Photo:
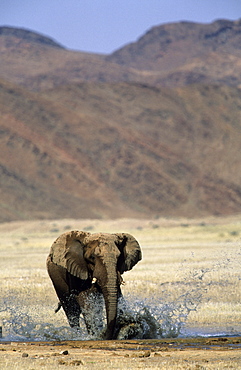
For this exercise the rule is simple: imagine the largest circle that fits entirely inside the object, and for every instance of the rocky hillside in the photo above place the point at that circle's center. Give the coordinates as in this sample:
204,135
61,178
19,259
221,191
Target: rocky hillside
91,136
39,63
185,53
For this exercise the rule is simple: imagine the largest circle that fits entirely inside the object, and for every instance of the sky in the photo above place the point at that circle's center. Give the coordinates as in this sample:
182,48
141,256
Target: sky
103,26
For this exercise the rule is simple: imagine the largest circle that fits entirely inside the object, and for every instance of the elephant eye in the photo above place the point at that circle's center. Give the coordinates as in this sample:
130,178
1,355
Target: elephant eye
90,258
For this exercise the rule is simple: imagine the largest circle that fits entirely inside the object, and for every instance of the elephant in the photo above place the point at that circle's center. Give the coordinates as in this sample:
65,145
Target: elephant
86,270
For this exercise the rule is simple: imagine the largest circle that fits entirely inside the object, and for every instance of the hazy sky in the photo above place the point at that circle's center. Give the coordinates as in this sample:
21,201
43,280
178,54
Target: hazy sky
102,26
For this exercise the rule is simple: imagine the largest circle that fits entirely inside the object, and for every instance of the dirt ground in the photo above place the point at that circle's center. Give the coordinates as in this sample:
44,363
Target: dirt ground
198,353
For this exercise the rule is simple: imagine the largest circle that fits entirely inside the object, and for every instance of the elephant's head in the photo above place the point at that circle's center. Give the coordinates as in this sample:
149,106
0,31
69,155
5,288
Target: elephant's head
100,258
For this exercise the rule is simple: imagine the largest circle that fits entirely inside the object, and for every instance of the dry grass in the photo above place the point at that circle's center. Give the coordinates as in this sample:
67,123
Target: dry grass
182,260
190,274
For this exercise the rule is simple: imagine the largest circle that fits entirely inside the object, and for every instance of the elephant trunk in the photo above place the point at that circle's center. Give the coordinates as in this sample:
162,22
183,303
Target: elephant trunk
110,292
111,297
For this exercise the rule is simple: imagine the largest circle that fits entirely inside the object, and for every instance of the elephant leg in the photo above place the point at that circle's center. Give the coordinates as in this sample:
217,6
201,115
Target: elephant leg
72,310
67,300
91,302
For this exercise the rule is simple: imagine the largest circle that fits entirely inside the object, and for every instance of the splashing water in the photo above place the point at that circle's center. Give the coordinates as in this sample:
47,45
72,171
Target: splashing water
137,318
140,319
22,326
161,316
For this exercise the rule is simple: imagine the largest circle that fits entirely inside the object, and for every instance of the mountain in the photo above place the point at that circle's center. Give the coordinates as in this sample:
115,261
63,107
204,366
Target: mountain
171,55
96,136
38,63
183,53
115,150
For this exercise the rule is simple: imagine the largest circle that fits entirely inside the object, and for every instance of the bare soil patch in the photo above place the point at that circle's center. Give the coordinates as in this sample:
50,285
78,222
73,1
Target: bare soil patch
188,353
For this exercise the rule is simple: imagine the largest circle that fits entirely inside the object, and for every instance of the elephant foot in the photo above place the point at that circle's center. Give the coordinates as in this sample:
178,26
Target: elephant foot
133,330
140,326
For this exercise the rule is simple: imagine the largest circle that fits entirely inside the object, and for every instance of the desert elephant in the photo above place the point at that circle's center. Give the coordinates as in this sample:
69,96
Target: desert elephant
86,267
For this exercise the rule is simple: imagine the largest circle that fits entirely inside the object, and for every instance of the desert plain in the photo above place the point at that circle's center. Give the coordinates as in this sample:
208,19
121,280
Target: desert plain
189,280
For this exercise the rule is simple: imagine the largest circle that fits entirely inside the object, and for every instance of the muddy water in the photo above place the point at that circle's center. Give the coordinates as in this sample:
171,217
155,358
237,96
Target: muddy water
146,344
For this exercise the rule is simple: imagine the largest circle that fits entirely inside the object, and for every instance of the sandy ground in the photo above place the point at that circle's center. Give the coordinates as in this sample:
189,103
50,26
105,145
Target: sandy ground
198,353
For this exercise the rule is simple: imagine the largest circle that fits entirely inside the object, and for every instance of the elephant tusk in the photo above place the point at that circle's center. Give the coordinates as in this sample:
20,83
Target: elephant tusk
94,280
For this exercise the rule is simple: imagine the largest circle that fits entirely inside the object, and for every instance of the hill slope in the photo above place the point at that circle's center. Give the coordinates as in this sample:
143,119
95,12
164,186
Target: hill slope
117,150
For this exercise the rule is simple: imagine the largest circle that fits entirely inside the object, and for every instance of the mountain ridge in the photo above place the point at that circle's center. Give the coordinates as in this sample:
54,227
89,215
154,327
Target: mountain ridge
172,55
27,35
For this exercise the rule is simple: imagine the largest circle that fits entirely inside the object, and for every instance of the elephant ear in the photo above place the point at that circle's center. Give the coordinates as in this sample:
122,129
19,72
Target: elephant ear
68,250
130,251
